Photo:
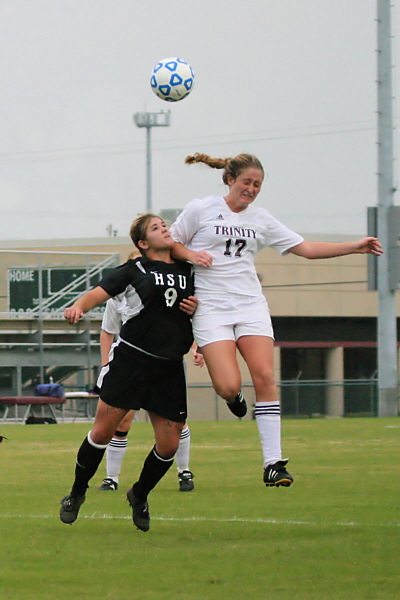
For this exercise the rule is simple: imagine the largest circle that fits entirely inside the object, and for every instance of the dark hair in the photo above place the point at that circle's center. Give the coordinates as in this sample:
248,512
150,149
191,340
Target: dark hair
232,166
139,228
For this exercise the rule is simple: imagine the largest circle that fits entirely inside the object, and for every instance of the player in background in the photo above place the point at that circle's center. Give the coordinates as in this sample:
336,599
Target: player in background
112,321
145,368
220,237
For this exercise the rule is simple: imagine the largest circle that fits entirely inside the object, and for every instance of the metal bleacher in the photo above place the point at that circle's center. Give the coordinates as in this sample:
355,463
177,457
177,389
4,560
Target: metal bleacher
36,343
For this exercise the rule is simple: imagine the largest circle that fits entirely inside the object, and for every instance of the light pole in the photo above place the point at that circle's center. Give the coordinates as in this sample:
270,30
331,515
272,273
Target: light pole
149,120
387,330
384,222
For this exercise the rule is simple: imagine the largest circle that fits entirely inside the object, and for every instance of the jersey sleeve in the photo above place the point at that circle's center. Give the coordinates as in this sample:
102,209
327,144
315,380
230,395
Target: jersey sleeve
117,280
112,318
191,279
278,236
187,223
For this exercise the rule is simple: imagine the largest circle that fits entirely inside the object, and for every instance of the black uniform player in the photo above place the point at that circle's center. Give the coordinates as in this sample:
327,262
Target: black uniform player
156,329
145,368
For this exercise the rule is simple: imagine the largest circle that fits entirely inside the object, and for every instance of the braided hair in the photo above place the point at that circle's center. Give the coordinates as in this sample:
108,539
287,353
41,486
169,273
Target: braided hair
232,166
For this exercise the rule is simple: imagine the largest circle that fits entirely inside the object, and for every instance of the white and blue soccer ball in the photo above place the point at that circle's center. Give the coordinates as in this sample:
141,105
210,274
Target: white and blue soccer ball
172,79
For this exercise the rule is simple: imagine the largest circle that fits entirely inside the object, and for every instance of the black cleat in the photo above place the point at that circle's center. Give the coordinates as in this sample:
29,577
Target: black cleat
238,406
140,511
70,506
276,474
186,481
108,485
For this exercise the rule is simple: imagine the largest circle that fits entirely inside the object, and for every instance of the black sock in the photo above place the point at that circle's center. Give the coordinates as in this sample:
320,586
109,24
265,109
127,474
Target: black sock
87,463
154,468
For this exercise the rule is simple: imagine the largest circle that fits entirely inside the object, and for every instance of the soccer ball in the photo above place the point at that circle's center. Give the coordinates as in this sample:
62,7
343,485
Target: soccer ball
172,79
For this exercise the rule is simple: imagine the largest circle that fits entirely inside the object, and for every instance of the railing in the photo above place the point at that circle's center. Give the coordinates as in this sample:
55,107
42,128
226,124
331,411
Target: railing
308,398
43,283
73,287
40,285
300,399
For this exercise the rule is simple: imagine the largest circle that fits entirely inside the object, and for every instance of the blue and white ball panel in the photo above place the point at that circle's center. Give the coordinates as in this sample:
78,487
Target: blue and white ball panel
172,79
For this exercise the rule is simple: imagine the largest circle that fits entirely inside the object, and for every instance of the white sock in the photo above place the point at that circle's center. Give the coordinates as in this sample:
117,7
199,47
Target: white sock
115,455
268,417
183,452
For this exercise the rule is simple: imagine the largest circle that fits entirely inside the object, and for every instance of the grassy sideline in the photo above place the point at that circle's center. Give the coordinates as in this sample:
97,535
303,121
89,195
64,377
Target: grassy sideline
334,534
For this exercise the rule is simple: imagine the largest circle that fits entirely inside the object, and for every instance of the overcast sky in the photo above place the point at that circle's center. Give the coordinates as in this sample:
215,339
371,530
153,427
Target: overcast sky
290,81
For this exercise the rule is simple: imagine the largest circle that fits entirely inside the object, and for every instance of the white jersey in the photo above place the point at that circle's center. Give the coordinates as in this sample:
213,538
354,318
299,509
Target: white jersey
232,239
114,315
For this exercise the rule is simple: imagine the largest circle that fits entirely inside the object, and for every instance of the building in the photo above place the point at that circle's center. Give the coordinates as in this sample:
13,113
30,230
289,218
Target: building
325,322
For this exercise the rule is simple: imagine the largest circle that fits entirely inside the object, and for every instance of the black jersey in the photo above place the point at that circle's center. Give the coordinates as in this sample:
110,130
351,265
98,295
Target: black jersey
153,290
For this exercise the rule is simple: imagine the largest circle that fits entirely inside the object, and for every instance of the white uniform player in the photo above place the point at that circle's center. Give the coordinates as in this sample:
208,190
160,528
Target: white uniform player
115,314
220,236
231,300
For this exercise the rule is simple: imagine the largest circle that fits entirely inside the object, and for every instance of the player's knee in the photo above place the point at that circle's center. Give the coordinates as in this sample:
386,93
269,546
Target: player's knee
100,436
264,379
126,421
167,450
226,391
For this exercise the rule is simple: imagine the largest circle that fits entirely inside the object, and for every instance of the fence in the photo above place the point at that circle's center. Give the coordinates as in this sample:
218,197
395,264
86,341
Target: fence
309,398
299,398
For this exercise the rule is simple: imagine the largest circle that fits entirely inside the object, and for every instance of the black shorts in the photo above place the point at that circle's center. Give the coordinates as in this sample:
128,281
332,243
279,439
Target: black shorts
134,380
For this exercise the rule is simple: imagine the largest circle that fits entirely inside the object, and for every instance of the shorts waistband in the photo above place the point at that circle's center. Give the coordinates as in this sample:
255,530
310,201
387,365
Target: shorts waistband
141,350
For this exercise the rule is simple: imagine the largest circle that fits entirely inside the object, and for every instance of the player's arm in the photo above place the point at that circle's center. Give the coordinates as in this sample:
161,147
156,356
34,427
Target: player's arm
93,298
201,258
312,250
106,341
183,230
198,358
189,305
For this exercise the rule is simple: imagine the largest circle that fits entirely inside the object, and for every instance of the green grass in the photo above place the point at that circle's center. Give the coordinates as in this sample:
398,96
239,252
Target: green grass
333,535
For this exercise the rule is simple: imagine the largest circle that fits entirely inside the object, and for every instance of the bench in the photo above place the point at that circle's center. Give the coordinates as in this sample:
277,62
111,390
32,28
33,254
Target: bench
84,402
29,402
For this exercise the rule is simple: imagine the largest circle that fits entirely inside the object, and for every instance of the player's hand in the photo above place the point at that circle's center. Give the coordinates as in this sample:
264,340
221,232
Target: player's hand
198,358
202,259
73,314
369,245
189,305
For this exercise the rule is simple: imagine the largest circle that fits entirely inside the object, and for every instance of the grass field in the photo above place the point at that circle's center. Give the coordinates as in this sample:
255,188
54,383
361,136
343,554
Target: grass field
333,535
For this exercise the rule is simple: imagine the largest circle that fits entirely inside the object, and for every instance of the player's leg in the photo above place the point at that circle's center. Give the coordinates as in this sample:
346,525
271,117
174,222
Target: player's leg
89,457
158,462
225,375
115,453
182,456
258,352
167,434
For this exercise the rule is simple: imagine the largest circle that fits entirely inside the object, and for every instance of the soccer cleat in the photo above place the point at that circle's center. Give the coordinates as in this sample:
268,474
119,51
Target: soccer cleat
140,511
70,506
185,481
108,485
238,406
276,474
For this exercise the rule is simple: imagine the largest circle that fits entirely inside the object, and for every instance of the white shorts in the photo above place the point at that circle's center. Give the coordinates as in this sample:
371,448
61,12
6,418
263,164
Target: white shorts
229,318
